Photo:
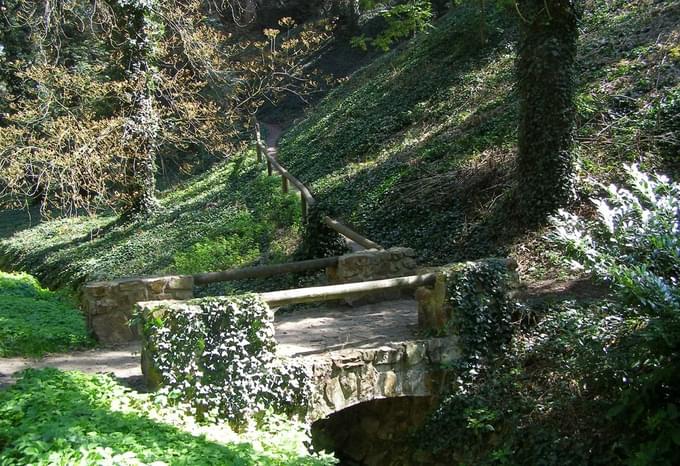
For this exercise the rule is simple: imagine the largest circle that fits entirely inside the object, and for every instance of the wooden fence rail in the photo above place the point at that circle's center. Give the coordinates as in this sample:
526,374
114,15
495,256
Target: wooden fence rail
264,270
306,198
345,290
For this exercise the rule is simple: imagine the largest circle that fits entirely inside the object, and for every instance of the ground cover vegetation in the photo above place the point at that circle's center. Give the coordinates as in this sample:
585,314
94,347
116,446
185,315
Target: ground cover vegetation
102,422
35,320
582,382
418,149
230,216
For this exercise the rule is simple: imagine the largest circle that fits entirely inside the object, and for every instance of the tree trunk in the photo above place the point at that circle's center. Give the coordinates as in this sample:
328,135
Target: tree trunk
143,126
545,76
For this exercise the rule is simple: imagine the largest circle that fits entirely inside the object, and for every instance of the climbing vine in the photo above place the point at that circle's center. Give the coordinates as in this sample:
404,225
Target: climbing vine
319,240
217,355
478,295
546,85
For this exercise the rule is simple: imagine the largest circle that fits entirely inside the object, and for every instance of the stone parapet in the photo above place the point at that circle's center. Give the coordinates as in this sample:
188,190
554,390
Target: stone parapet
109,306
373,264
434,302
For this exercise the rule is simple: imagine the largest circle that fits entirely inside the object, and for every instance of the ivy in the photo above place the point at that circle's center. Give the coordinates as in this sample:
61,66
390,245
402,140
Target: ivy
217,355
478,294
318,239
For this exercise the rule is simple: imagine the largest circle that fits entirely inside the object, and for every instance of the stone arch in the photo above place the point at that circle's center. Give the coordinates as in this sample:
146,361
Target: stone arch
375,432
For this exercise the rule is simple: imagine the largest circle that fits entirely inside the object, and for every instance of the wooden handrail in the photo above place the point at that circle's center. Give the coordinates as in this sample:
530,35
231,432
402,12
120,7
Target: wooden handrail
306,198
345,290
264,270
351,234
304,191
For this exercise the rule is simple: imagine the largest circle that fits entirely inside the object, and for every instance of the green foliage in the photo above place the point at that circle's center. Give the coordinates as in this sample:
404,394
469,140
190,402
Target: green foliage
403,20
218,356
35,321
546,80
51,417
233,211
240,246
478,295
402,133
416,149
543,400
634,244
318,239
590,382
22,285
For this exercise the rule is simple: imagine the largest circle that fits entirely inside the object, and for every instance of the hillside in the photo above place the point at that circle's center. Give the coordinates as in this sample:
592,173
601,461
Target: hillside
232,215
417,148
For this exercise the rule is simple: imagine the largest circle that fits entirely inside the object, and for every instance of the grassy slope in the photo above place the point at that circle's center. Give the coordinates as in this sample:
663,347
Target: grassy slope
200,224
417,148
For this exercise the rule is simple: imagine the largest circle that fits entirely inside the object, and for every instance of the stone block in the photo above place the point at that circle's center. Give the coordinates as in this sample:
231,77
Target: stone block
182,295
181,282
387,355
373,265
130,284
389,384
349,383
415,352
333,394
433,311
113,327
156,285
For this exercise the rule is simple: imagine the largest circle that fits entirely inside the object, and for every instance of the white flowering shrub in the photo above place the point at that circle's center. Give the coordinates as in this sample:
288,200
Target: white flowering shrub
633,243
217,355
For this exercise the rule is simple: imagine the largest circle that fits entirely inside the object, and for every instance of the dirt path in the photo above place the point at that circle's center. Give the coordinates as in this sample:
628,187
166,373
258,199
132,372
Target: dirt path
122,361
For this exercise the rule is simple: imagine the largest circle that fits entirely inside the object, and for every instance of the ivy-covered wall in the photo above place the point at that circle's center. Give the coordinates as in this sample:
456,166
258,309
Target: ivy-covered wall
217,356
471,300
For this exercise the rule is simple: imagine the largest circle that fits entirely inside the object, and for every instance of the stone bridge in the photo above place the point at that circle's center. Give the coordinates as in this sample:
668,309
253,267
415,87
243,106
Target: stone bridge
364,353
355,353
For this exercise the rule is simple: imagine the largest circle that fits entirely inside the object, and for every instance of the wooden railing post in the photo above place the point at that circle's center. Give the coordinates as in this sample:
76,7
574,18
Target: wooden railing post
303,207
284,183
269,167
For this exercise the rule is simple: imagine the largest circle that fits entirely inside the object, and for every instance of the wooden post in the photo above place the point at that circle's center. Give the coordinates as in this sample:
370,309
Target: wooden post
258,148
284,183
303,207
269,167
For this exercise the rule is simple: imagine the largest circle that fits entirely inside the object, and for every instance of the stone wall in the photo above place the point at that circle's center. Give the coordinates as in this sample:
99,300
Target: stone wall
348,377
373,264
108,306
434,303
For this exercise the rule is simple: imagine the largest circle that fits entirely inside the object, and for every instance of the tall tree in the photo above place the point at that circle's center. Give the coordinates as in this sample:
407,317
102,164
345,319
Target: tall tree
106,86
142,128
545,79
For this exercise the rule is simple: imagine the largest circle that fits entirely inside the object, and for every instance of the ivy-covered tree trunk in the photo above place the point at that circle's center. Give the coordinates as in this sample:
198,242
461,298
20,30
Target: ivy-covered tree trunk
545,76
143,126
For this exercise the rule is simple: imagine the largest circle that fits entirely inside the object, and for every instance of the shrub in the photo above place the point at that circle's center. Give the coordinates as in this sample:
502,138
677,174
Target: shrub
22,285
634,244
218,355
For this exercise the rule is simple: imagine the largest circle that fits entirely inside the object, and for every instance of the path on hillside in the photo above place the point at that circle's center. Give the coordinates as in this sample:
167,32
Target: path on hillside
273,134
123,361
